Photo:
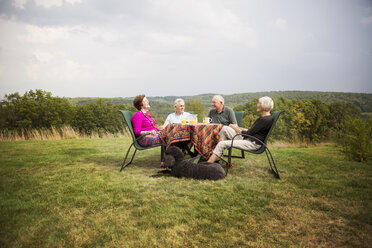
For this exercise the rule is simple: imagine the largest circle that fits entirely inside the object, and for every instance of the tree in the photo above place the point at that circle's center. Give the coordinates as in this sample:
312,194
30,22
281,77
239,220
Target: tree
356,139
100,116
35,109
197,107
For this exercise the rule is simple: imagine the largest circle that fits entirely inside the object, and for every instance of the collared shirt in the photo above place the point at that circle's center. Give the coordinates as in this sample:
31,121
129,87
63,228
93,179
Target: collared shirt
175,118
226,117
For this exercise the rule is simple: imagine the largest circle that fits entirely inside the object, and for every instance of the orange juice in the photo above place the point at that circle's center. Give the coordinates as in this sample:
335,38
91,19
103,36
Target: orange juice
193,122
183,121
205,121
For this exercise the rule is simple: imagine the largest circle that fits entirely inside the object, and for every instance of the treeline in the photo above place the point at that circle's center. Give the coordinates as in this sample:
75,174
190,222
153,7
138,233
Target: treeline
313,121
309,121
361,100
39,110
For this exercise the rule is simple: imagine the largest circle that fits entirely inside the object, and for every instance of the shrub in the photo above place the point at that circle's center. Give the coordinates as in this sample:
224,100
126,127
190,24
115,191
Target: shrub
355,138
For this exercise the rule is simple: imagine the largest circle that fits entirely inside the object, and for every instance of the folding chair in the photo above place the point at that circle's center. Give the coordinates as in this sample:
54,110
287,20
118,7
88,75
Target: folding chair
262,149
239,117
127,118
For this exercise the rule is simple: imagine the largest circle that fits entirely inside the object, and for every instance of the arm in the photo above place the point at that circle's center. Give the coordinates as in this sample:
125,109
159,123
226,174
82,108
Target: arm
237,128
255,128
137,123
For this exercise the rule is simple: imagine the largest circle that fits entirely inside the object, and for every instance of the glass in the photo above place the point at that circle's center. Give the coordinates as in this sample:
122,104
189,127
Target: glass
207,120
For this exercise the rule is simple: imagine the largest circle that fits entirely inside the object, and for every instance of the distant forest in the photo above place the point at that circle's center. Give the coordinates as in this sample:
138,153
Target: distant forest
361,100
309,116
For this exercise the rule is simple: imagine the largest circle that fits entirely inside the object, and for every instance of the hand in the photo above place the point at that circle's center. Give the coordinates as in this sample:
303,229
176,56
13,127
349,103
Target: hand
152,132
235,127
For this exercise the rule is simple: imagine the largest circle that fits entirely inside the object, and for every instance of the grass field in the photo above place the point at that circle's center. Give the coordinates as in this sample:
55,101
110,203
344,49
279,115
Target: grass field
70,193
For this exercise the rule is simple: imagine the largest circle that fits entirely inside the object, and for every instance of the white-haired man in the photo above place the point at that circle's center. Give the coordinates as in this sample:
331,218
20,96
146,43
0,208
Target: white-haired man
179,114
259,130
220,113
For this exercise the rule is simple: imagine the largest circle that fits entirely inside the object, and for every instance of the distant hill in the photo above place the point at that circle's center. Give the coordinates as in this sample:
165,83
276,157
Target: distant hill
361,100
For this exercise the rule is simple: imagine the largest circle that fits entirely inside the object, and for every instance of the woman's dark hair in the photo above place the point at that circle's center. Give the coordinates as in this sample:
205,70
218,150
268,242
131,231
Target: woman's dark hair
137,101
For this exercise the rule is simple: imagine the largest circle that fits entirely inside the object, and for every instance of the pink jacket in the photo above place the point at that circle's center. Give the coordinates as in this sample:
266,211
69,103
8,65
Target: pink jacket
141,123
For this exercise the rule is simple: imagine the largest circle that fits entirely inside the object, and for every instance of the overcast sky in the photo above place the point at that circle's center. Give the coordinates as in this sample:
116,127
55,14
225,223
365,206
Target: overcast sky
120,48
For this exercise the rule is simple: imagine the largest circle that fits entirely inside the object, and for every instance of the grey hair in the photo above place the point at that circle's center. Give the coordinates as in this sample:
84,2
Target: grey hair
267,103
219,98
178,100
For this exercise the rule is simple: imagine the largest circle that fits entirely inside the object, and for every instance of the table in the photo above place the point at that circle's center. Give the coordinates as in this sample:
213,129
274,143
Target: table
204,136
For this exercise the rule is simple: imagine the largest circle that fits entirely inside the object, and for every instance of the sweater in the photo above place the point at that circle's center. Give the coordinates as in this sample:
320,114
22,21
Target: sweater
260,128
143,122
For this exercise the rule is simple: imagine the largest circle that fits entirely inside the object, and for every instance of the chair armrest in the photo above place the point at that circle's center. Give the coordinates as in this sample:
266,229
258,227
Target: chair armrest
145,135
141,136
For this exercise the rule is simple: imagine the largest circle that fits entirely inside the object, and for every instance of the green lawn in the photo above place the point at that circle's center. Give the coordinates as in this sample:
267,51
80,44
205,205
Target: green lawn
70,193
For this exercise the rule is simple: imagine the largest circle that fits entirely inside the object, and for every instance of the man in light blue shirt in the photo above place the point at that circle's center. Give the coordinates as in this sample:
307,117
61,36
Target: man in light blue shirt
179,114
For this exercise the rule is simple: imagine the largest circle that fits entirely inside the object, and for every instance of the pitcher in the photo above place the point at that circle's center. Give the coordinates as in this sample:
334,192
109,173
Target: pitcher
194,119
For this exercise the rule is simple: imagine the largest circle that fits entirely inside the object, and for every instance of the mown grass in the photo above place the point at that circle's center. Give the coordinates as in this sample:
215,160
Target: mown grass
70,193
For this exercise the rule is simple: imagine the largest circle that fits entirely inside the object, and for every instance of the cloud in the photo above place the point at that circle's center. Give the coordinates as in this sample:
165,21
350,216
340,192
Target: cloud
280,24
56,67
73,1
98,34
49,3
45,35
19,4
51,35
204,21
166,41
126,47
1,71
43,57
366,20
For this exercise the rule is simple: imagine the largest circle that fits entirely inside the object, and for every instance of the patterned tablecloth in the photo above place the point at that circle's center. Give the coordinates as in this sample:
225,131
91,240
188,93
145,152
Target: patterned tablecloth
204,136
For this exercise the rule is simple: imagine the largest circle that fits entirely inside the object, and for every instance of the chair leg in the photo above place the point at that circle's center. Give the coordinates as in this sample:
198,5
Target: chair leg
243,155
228,161
272,165
126,164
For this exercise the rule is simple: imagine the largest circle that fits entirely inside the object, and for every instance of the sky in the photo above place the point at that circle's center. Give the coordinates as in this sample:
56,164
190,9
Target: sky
121,48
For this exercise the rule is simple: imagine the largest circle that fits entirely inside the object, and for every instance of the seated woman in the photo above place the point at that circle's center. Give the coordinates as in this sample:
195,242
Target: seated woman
144,124
259,130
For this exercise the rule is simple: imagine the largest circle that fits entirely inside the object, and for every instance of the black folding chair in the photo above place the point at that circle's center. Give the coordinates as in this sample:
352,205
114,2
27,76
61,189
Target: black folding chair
262,149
